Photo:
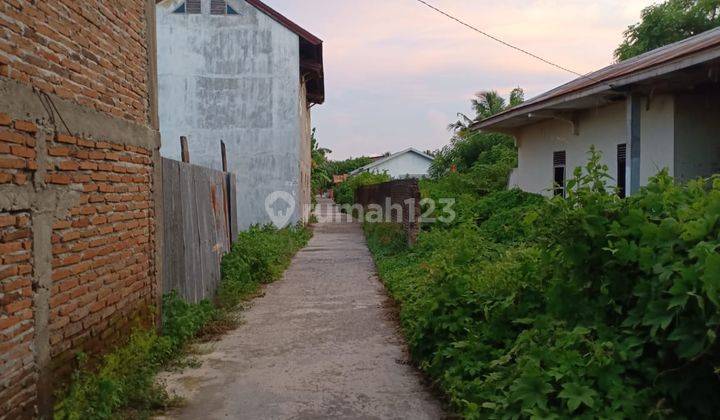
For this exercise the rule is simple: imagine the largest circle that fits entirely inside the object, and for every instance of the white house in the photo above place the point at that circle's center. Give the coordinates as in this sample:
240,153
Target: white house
658,110
410,163
240,72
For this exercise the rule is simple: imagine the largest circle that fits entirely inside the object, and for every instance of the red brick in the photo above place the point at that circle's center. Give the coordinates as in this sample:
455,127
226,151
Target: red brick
56,178
26,126
59,151
68,165
64,138
12,163
24,152
12,137
5,119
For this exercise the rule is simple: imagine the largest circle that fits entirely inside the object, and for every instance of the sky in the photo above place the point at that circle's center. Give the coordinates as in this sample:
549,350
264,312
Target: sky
397,73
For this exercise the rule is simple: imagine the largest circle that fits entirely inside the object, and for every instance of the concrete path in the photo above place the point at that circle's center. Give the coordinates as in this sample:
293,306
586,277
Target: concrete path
321,344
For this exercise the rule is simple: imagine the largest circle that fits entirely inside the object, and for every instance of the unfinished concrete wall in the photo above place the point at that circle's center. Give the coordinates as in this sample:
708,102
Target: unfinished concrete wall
78,188
233,78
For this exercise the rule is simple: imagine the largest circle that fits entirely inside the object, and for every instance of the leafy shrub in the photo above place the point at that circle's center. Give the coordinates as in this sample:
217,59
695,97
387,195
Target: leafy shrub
259,256
591,306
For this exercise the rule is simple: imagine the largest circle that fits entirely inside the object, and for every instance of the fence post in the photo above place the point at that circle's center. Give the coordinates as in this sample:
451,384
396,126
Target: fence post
224,156
184,151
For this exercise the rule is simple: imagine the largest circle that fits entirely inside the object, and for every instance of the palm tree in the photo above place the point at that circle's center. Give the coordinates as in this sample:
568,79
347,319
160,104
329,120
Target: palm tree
486,104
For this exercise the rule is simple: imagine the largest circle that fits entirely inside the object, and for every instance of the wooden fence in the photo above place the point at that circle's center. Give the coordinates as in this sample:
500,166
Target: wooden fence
200,224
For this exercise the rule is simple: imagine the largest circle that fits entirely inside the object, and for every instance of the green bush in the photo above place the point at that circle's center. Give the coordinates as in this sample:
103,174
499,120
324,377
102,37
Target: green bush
590,306
259,256
124,383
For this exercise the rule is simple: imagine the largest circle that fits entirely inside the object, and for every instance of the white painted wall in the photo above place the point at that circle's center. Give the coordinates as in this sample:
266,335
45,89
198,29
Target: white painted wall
406,165
233,78
604,127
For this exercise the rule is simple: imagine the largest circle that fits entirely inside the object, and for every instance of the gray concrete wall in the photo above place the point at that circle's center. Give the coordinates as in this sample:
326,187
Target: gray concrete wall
697,135
233,78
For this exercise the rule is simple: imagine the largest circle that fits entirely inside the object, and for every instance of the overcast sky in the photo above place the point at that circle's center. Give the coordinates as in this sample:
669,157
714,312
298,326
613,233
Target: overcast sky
396,72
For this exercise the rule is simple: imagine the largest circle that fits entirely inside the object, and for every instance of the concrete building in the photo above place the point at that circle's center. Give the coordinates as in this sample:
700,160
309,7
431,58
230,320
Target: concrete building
240,72
659,110
409,163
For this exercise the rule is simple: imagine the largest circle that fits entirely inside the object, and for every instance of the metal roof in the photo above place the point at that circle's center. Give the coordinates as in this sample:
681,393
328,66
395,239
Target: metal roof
686,53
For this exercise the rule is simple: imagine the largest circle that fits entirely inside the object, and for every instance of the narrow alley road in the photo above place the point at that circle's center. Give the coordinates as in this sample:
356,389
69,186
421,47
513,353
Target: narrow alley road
321,343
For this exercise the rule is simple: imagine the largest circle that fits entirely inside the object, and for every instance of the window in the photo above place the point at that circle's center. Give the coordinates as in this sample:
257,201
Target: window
621,169
559,162
221,7
189,7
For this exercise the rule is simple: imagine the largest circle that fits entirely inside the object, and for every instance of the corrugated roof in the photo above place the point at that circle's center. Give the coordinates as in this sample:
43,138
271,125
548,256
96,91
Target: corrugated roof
615,73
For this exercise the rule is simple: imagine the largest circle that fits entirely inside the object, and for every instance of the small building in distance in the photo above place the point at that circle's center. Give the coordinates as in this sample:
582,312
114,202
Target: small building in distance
409,163
658,110
240,72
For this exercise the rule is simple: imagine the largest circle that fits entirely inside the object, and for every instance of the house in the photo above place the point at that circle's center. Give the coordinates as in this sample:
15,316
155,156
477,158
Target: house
240,72
409,163
658,110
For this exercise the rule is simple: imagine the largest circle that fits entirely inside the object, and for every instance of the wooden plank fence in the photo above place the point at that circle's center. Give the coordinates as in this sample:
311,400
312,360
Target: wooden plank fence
200,224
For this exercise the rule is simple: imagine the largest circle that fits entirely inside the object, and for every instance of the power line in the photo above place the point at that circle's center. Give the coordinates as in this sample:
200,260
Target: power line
496,39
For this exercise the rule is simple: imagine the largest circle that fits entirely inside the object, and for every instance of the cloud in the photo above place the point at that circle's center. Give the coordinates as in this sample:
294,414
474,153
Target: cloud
397,72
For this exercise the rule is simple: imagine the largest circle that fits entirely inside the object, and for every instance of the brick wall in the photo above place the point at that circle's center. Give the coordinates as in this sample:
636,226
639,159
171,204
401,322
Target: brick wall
401,194
93,52
79,181
102,266
17,362
102,269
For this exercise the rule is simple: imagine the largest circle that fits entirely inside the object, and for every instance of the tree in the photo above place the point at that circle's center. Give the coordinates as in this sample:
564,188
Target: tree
467,147
486,104
668,22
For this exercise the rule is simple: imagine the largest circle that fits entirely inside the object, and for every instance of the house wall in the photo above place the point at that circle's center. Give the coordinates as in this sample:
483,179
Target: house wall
305,154
657,136
408,164
603,127
697,135
79,176
233,78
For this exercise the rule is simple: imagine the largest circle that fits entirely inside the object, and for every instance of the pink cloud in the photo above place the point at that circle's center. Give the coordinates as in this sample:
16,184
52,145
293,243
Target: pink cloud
399,57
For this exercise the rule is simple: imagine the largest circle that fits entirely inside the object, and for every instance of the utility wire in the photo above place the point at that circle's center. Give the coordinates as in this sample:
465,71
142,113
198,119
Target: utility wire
496,39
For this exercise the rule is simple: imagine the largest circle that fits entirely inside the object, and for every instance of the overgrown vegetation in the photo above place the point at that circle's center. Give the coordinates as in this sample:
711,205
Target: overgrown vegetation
590,306
324,169
124,385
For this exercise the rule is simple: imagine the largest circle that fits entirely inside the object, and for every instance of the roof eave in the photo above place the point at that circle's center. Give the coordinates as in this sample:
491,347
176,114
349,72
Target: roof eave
619,84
